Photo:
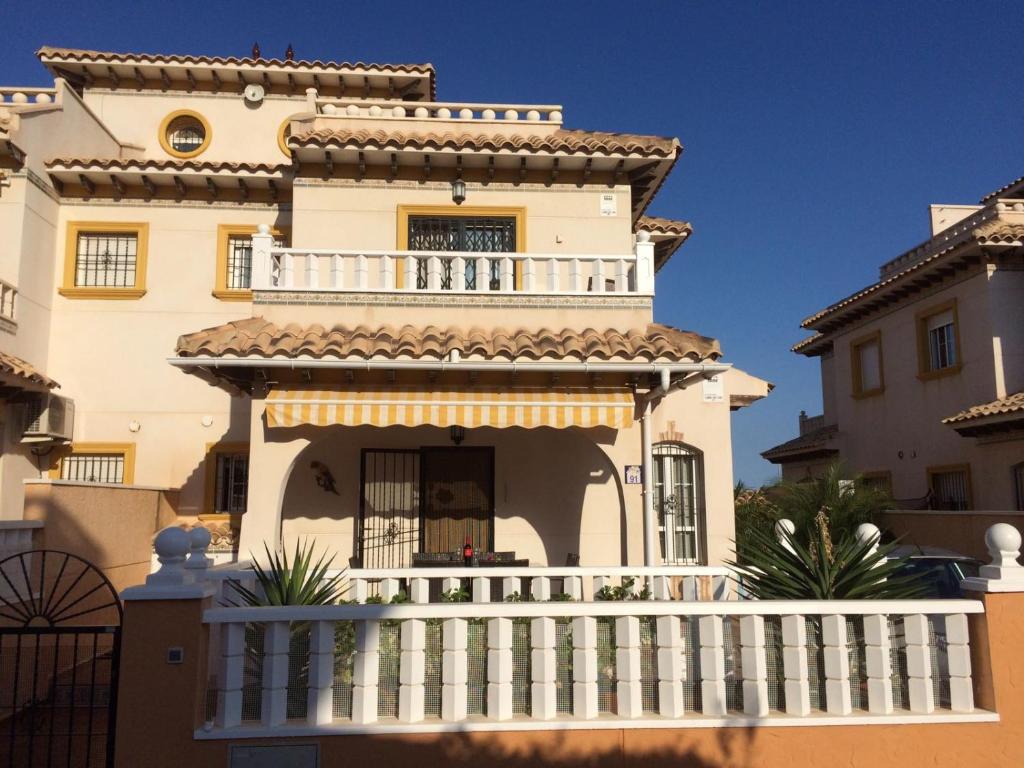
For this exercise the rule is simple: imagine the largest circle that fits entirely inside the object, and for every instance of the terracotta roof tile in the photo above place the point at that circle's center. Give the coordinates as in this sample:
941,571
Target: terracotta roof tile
108,57
812,442
260,338
1017,185
1010,404
576,142
132,164
15,366
1000,232
668,226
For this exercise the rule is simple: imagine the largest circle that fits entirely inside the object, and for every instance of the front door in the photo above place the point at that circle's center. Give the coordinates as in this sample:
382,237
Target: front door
676,498
458,499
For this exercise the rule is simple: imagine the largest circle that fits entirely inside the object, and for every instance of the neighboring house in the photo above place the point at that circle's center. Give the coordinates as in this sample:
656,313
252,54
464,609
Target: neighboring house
922,372
425,321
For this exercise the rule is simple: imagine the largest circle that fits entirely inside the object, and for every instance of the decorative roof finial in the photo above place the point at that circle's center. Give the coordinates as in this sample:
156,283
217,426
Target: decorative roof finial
289,54
256,50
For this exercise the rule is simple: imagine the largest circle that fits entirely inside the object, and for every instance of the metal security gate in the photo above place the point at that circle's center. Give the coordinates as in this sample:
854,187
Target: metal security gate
60,635
477,234
389,510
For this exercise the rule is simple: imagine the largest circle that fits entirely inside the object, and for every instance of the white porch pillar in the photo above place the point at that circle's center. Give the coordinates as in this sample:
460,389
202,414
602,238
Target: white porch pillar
269,466
647,457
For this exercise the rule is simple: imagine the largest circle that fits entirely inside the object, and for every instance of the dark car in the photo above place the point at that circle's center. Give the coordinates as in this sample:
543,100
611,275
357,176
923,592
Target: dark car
944,570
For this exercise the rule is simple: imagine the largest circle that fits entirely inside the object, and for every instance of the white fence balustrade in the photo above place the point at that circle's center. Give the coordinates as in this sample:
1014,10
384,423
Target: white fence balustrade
619,663
374,271
439,111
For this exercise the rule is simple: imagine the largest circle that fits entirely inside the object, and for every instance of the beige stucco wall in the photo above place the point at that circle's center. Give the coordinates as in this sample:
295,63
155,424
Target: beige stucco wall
901,430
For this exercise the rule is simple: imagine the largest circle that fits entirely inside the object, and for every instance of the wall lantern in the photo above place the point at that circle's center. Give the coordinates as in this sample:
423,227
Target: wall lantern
458,191
458,434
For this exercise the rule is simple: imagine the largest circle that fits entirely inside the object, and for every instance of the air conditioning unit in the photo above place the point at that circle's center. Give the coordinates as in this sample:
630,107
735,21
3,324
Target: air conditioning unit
48,417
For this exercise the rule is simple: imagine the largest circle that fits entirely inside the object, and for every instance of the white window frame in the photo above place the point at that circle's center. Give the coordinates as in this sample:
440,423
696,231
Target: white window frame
667,458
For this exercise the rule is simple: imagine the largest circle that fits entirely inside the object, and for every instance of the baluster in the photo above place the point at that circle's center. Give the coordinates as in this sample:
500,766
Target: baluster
362,272
337,271
544,669
433,273
287,278
275,672
481,589
627,666
919,663
320,701
573,587
540,588
419,590
958,656
837,665
409,282
458,274
600,582
621,276
529,275
366,672
483,274
712,665
507,275
661,589
878,660
755,666
510,585
450,584
553,275
389,588
584,667
312,271
232,664
597,283
671,667
575,276
387,273
359,590
499,669
794,664
454,670
411,671
689,588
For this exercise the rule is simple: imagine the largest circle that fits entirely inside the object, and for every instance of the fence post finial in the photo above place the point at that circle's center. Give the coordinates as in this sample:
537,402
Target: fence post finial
197,562
1004,573
172,545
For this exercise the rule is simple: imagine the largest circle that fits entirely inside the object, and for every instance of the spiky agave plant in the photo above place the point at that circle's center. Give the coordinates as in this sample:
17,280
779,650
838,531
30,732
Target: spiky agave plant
299,582
825,569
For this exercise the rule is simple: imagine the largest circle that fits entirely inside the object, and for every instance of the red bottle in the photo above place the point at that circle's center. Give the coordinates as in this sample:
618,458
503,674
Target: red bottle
467,552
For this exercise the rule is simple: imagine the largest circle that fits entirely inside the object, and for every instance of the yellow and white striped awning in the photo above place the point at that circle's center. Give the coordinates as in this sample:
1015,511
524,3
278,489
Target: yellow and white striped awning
447,407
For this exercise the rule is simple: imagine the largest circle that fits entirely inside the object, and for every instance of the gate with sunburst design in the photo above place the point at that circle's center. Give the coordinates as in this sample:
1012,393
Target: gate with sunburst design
60,637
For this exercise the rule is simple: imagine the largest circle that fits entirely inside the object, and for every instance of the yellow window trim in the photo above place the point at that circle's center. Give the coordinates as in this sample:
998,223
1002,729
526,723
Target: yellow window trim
224,233
405,211
74,229
939,469
282,140
210,487
105,449
165,126
924,371
855,366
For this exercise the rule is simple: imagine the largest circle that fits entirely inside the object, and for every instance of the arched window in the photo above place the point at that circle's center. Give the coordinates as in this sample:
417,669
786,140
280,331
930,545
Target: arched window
679,502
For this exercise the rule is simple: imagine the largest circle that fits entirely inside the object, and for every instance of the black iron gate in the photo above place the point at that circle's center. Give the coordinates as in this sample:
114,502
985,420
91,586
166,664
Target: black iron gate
389,511
60,635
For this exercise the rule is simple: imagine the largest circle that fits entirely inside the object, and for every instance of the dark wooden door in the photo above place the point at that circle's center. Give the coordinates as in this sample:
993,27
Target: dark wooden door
458,499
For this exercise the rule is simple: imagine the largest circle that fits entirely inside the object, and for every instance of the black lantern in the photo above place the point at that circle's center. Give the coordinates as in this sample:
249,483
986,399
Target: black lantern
458,434
459,191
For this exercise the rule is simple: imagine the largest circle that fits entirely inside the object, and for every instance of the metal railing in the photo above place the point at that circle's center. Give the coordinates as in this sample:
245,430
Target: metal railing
360,668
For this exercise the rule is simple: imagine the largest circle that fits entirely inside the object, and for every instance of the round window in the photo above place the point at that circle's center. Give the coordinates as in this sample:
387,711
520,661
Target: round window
184,134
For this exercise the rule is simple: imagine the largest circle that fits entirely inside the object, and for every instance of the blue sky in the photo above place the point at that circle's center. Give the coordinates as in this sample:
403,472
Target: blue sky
816,133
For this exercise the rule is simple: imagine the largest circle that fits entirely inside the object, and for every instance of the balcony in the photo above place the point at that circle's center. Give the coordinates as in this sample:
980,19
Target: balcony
297,270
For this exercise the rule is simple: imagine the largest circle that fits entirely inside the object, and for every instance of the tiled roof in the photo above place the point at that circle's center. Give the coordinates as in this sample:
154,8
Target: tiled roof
1010,404
17,367
574,142
107,57
132,164
261,338
812,442
1001,192
1004,233
668,226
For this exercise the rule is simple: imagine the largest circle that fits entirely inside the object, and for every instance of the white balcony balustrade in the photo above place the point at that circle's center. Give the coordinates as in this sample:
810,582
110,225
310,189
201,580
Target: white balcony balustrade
436,111
375,271
554,663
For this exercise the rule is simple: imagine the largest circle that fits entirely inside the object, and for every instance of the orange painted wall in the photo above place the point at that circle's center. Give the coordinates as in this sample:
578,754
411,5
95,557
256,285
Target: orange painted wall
155,722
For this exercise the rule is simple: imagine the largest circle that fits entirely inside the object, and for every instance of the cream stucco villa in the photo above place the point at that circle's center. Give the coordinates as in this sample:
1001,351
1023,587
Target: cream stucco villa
302,298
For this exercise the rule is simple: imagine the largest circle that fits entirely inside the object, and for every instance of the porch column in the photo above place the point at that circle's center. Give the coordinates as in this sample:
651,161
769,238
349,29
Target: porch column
647,458
270,465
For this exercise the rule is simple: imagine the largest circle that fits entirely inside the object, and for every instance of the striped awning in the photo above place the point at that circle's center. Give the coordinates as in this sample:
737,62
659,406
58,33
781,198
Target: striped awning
449,406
